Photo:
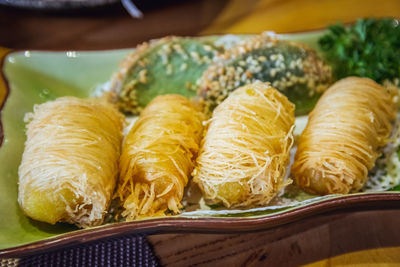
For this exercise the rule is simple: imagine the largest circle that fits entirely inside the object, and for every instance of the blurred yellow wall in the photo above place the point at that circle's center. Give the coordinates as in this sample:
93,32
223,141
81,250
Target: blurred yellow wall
254,16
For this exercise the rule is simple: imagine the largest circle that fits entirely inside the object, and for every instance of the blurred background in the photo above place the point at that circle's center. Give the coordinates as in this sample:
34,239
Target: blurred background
105,24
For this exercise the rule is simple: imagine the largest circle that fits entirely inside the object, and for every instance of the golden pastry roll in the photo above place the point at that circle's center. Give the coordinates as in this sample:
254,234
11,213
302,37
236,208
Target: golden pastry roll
70,163
245,151
341,142
158,156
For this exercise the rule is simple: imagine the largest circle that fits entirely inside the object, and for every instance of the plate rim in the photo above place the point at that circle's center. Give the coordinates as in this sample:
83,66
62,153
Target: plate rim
222,225
387,200
5,82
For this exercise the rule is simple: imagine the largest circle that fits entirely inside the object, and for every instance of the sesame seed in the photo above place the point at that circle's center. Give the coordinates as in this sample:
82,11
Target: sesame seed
132,94
142,76
164,57
195,55
207,48
169,69
206,59
183,66
178,48
262,58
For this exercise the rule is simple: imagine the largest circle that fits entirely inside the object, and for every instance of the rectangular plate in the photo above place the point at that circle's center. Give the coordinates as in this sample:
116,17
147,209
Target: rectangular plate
35,77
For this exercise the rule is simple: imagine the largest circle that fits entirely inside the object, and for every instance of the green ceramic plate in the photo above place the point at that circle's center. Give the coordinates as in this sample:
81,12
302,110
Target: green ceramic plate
35,77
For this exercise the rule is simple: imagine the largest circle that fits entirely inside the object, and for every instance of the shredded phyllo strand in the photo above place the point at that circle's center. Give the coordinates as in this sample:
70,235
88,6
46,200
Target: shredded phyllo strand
245,151
345,132
70,163
157,157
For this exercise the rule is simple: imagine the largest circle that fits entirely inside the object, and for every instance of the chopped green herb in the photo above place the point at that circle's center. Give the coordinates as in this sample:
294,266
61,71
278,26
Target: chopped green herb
369,48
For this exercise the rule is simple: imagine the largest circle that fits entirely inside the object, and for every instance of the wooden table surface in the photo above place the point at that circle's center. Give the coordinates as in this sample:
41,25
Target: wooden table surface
341,238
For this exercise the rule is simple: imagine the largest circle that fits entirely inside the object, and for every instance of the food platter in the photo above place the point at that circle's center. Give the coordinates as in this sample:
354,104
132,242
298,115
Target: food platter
37,76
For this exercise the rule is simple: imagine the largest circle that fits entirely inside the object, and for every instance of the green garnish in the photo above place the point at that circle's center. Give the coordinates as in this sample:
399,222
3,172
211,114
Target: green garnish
369,48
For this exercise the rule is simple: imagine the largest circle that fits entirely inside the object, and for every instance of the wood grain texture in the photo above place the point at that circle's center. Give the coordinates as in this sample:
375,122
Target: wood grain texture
310,240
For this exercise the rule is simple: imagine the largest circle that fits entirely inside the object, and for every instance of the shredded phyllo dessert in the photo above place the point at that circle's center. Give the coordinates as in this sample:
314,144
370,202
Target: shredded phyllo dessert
246,146
137,149
292,68
171,65
343,137
158,156
69,166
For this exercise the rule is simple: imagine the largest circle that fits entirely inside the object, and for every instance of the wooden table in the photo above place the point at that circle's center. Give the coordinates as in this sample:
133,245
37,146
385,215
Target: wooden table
361,237
341,238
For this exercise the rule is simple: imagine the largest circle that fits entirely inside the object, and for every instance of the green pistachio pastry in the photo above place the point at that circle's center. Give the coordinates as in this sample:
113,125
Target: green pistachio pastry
292,68
171,65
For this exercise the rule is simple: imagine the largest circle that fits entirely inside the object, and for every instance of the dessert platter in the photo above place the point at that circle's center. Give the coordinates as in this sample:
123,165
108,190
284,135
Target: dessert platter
213,134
